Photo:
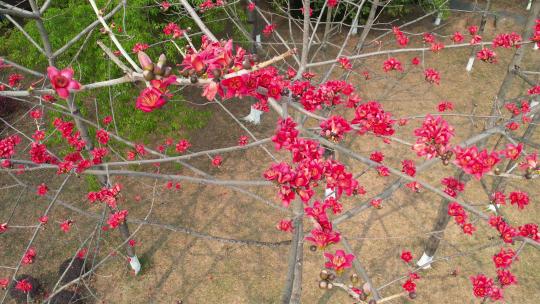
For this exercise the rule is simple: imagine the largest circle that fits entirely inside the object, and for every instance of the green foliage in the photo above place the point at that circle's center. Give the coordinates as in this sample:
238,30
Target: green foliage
92,183
143,23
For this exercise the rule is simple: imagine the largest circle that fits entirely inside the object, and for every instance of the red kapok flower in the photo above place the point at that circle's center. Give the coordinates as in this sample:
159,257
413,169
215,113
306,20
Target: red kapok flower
285,225
42,189
406,256
216,161
66,225
243,140
409,286
432,76
519,198
392,64
338,261
506,278
504,258
4,282
24,286
29,256
62,81
481,285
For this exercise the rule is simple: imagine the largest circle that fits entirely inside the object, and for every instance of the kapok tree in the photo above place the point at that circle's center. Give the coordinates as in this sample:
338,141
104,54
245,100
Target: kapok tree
320,116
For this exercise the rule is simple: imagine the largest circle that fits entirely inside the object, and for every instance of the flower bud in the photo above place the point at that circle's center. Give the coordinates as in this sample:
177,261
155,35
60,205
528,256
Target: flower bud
323,284
167,71
193,79
324,274
145,61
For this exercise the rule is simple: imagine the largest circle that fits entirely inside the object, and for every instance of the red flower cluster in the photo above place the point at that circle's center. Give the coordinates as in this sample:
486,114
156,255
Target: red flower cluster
457,37
106,195
285,225
506,278
209,4
269,29
530,231
338,261
42,189
62,81
155,96
172,29
23,285
138,47
507,40
29,256
328,93
519,198
400,37
482,286
392,64
506,231
117,218
409,167
432,76
377,156
334,128
460,216
370,117
7,146
453,186
504,258
15,79
445,105
406,256
345,63
487,55
474,162
536,35
433,138
332,3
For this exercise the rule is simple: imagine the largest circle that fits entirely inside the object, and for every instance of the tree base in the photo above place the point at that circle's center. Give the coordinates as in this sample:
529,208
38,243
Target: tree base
135,264
254,116
425,261
470,64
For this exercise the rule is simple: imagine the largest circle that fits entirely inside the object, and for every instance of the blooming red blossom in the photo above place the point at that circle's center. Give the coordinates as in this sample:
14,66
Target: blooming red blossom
102,136
43,219
392,64
457,37
117,218
453,186
334,128
512,151
15,79
285,225
217,160
436,46
285,134
81,254
507,40
62,81
409,167
332,203
406,256
504,258
3,227
243,140
415,61
535,90
498,198
505,277
414,186
332,3
322,238
23,285
401,39
66,225
4,282
155,96
468,228
473,29
39,154
530,162
474,162
165,5
338,261
383,171
269,29
36,114
433,138
370,116
409,286
482,286
345,63
376,203
172,29
530,231
29,256
445,105
42,189
182,146
487,55
377,156
7,146
519,198
138,47
251,6
432,76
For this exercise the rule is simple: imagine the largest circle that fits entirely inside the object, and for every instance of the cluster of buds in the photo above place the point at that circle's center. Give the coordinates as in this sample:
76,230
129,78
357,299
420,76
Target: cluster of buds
152,71
326,279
